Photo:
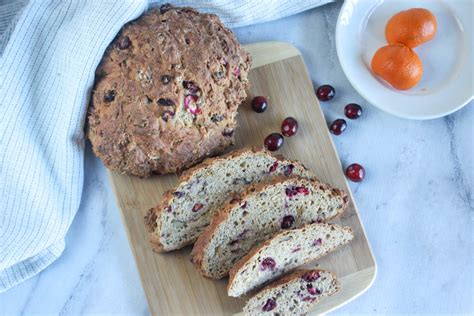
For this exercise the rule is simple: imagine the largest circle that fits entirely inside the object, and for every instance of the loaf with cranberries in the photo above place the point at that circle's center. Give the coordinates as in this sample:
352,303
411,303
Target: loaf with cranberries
187,209
260,212
293,294
167,92
283,253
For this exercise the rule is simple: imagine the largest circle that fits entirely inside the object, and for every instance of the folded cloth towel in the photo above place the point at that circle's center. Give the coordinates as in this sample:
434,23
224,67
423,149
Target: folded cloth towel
49,51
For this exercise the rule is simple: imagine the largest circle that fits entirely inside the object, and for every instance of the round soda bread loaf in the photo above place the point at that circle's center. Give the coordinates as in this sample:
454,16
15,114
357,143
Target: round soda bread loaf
167,92
187,209
293,294
262,211
283,253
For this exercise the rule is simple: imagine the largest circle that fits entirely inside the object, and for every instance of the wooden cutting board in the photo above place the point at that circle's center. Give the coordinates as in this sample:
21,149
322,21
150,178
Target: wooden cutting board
171,283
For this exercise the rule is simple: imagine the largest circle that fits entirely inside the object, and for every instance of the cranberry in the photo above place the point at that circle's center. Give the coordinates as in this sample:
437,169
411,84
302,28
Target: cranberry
269,305
312,290
216,118
318,242
289,126
325,92
166,115
259,104
178,194
190,104
268,263
288,170
311,276
165,79
274,167
165,7
236,71
355,172
274,141
338,126
296,249
302,190
234,200
109,96
353,111
165,102
287,221
227,132
123,42
197,207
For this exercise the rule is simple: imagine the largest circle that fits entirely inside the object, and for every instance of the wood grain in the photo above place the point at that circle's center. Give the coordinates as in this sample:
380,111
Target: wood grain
171,283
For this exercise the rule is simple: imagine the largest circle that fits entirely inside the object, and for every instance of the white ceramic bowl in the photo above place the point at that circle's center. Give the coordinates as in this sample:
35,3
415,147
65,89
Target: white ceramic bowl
447,83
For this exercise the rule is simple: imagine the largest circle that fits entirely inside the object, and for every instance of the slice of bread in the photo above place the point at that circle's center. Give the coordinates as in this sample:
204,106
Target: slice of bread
283,253
263,210
187,209
293,294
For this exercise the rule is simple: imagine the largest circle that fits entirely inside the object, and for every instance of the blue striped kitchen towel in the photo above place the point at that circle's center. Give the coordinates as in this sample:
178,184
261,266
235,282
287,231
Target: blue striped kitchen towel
49,50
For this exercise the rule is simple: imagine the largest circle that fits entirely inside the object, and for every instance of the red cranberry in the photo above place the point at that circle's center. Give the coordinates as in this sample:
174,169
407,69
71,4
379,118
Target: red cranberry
288,170
268,263
123,42
166,115
325,92
165,102
311,276
289,127
259,104
269,305
338,126
353,111
312,290
274,141
355,172
165,79
227,132
274,167
178,194
234,200
318,242
197,207
190,104
165,7
302,190
236,71
287,221
109,96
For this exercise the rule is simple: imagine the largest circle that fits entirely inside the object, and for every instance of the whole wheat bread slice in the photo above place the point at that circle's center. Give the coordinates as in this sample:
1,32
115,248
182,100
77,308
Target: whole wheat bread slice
187,209
260,212
284,252
293,294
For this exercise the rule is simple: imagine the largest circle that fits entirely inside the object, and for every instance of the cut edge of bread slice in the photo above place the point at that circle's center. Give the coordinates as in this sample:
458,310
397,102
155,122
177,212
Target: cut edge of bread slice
152,218
277,242
261,299
201,246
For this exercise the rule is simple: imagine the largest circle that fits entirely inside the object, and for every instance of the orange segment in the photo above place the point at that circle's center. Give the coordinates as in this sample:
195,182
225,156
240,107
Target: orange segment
412,27
398,65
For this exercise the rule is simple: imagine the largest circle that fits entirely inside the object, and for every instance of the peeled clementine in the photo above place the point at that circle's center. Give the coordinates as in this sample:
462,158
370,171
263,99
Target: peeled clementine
398,65
411,27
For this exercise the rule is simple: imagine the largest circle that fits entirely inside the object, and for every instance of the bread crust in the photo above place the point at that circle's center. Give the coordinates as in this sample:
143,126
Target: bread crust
244,260
203,241
157,105
295,275
153,217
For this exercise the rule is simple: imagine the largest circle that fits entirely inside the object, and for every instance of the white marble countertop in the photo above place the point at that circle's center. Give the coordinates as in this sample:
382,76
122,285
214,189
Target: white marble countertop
416,203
